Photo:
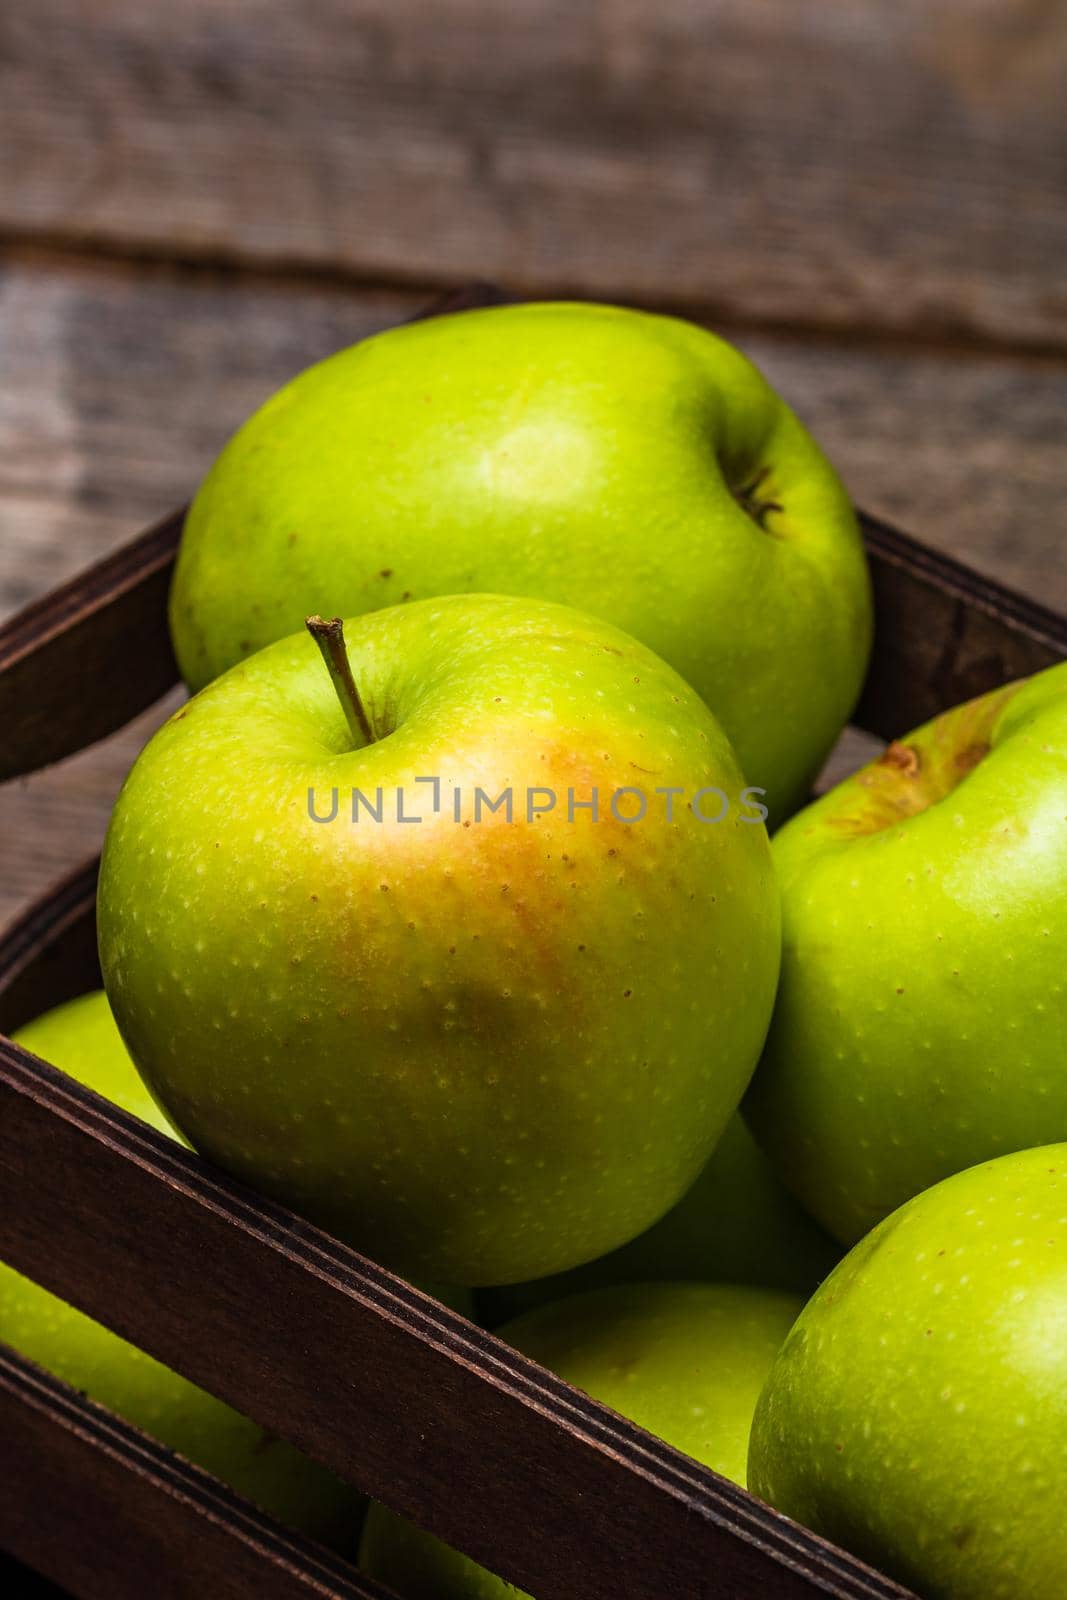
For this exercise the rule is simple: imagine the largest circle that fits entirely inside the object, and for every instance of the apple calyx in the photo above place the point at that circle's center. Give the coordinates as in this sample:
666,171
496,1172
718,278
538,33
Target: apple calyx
754,500
330,638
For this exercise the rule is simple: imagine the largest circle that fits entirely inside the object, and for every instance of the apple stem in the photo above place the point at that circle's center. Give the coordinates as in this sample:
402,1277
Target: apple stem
330,638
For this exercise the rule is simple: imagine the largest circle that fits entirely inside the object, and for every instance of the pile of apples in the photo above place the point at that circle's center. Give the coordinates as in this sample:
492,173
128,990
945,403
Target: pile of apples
458,927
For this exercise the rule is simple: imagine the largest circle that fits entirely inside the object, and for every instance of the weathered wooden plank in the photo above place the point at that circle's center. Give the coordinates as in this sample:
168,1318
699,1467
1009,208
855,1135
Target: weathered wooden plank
969,454
114,1516
52,648
50,822
898,166
120,385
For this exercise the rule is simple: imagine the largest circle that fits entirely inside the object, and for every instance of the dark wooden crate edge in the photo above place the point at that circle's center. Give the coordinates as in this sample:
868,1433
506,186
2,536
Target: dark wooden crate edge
943,633
108,1512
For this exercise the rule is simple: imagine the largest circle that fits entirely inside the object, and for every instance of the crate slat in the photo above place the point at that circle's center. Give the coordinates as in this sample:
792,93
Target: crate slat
86,658
49,954
110,1514
943,633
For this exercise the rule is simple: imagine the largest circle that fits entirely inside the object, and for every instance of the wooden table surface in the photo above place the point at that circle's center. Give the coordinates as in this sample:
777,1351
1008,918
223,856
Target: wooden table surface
198,199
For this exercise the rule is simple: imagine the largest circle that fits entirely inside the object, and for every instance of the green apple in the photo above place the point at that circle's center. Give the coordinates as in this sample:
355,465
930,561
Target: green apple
687,1361
917,1412
920,1021
737,1224
81,1039
630,464
483,1045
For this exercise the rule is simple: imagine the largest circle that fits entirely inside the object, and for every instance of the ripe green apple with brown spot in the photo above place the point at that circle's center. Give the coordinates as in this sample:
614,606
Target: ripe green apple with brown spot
918,1410
483,1047
687,1361
921,1017
81,1039
631,464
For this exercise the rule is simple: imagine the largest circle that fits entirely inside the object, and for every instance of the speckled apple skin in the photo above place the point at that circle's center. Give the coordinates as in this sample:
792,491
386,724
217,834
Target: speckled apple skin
81,1039
738,1223
921,1017
686,1361
917,1413
482,1053
576,453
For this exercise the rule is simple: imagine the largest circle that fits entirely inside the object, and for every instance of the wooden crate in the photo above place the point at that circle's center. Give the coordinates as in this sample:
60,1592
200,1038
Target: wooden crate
414,1404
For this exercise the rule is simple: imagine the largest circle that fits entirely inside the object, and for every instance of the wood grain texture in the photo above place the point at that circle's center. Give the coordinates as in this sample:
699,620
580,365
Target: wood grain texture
898,166
943,634
54,819
48,954
53,649
121,384
370,1376
112,1515
118,387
